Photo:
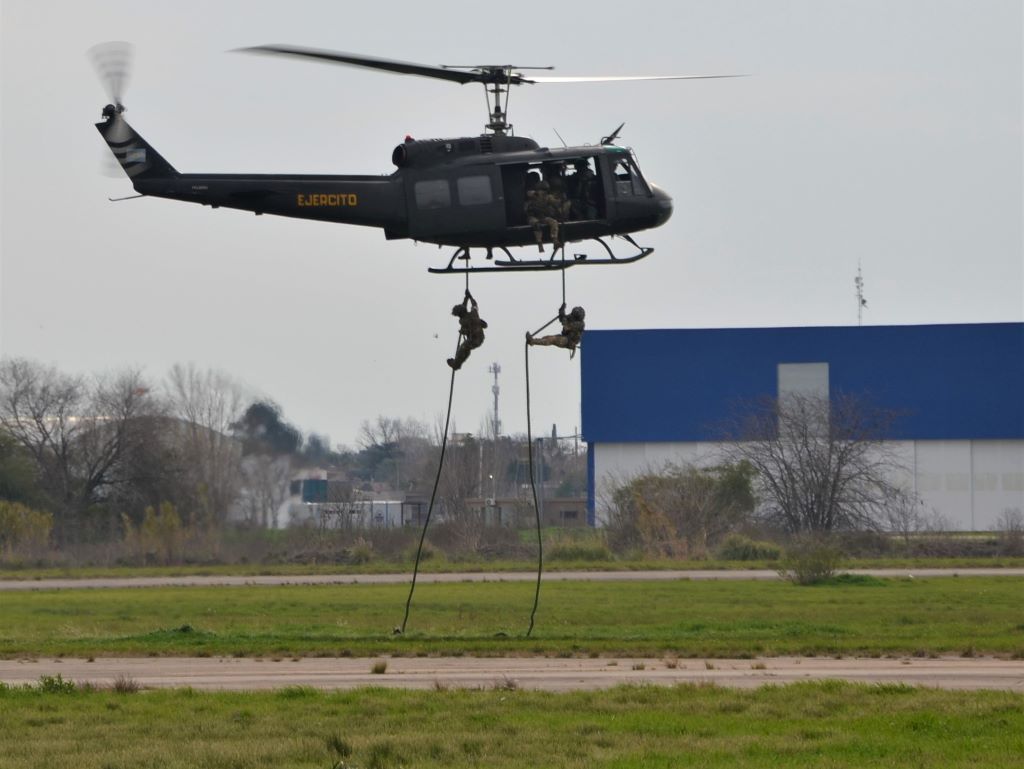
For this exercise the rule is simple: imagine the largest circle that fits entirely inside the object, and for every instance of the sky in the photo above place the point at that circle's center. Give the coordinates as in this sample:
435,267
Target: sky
870,132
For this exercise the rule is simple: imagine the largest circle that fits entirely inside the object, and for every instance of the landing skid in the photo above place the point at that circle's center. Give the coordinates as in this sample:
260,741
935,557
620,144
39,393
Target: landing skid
557,261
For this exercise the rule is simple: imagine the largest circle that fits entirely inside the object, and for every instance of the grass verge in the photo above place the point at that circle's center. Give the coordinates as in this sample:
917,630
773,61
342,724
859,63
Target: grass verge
830,724
866,616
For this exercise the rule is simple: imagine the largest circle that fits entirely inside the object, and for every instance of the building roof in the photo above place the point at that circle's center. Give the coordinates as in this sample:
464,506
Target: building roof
945,382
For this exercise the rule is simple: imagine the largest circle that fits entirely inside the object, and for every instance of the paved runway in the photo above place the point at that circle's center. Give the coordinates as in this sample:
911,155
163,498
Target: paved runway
493,576
527,673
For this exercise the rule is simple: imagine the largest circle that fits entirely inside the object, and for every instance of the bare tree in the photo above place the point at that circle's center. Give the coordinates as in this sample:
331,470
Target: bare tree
394,450
905,515
207,404
821,464
264,488
460,480
79,432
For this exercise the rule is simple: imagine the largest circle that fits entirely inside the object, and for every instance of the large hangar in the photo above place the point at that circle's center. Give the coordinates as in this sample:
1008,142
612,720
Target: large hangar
655,396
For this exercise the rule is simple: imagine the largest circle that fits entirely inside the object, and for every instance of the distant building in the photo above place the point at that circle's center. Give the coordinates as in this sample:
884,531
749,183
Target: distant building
656,396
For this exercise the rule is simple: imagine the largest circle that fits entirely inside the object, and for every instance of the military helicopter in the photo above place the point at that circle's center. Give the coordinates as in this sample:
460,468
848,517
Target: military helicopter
465,193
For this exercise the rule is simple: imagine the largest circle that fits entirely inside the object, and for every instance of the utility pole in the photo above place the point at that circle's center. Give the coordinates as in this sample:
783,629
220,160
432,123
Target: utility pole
495,369
861,301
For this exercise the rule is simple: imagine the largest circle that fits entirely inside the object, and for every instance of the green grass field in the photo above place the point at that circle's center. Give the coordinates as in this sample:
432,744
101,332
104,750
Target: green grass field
857,616
827,724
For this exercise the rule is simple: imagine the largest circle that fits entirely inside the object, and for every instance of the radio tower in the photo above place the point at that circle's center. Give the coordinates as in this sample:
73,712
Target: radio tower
861,301
496,424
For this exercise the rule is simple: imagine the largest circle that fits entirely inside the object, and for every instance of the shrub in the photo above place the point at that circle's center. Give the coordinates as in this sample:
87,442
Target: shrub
361,552
159,538
55,685
427,553
125,684
809,560
23,530
580,551
1011,532
679,511
736,547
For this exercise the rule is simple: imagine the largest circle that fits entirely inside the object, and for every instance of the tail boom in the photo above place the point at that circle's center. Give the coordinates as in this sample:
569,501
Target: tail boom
373,201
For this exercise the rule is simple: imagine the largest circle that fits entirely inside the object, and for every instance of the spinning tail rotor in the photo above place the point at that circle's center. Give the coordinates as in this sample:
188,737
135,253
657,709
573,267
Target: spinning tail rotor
112,62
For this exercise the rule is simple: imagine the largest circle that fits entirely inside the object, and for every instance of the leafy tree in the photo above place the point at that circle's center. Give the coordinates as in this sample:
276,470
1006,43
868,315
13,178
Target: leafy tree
17,472
262,431
680,510
317,451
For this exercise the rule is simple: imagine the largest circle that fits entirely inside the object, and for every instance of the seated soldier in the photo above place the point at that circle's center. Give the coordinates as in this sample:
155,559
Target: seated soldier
540,210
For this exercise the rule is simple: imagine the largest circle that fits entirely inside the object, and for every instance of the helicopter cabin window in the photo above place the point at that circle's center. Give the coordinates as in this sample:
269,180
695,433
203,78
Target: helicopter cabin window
433,194
474,190
582,189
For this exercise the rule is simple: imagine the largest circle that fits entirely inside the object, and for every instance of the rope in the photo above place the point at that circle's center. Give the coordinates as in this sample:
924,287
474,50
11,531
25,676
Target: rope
533,487
433,495
533,483
437,481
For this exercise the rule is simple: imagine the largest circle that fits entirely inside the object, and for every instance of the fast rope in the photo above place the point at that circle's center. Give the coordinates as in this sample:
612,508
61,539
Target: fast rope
437,481
533,483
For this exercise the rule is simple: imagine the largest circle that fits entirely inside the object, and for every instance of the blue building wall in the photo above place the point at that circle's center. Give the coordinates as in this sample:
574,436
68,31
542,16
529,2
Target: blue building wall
947,382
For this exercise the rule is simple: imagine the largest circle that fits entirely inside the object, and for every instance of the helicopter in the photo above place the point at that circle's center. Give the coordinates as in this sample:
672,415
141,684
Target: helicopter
464,193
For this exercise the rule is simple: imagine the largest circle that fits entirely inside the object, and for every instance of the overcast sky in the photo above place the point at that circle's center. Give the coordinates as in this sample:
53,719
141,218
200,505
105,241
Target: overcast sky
884,132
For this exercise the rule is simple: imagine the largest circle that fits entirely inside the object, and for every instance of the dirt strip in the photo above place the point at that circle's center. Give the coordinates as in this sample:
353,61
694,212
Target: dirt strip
494,576
526,673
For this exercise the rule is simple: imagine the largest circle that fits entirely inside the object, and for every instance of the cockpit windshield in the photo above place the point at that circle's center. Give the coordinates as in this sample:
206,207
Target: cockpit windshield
627,178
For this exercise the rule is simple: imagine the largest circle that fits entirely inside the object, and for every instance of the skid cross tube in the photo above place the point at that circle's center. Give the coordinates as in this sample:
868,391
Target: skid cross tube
556,261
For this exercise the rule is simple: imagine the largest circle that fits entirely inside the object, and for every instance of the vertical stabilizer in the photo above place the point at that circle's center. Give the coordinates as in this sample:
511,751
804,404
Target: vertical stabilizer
137,158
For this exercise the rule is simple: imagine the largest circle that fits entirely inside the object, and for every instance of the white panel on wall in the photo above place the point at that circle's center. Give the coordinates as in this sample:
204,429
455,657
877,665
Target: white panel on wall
807,379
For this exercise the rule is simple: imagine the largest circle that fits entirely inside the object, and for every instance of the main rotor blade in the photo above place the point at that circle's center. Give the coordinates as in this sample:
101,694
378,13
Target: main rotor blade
369,62
613,79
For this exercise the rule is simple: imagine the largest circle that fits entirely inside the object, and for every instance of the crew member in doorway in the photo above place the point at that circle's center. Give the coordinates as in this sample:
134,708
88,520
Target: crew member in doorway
572,331
471,326
543,209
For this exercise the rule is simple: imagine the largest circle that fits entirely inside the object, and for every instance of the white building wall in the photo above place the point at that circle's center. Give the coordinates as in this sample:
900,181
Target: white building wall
998,472
968,483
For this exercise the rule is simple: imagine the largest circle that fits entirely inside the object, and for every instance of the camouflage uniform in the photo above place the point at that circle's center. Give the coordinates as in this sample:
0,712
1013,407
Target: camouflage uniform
471,326
572,331
543,208
581,193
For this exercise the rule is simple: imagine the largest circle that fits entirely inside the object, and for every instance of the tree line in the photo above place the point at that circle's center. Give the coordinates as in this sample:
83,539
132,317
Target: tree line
101,455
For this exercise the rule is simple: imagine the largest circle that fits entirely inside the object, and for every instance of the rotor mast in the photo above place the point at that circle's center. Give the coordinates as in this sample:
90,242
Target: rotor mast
500,84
